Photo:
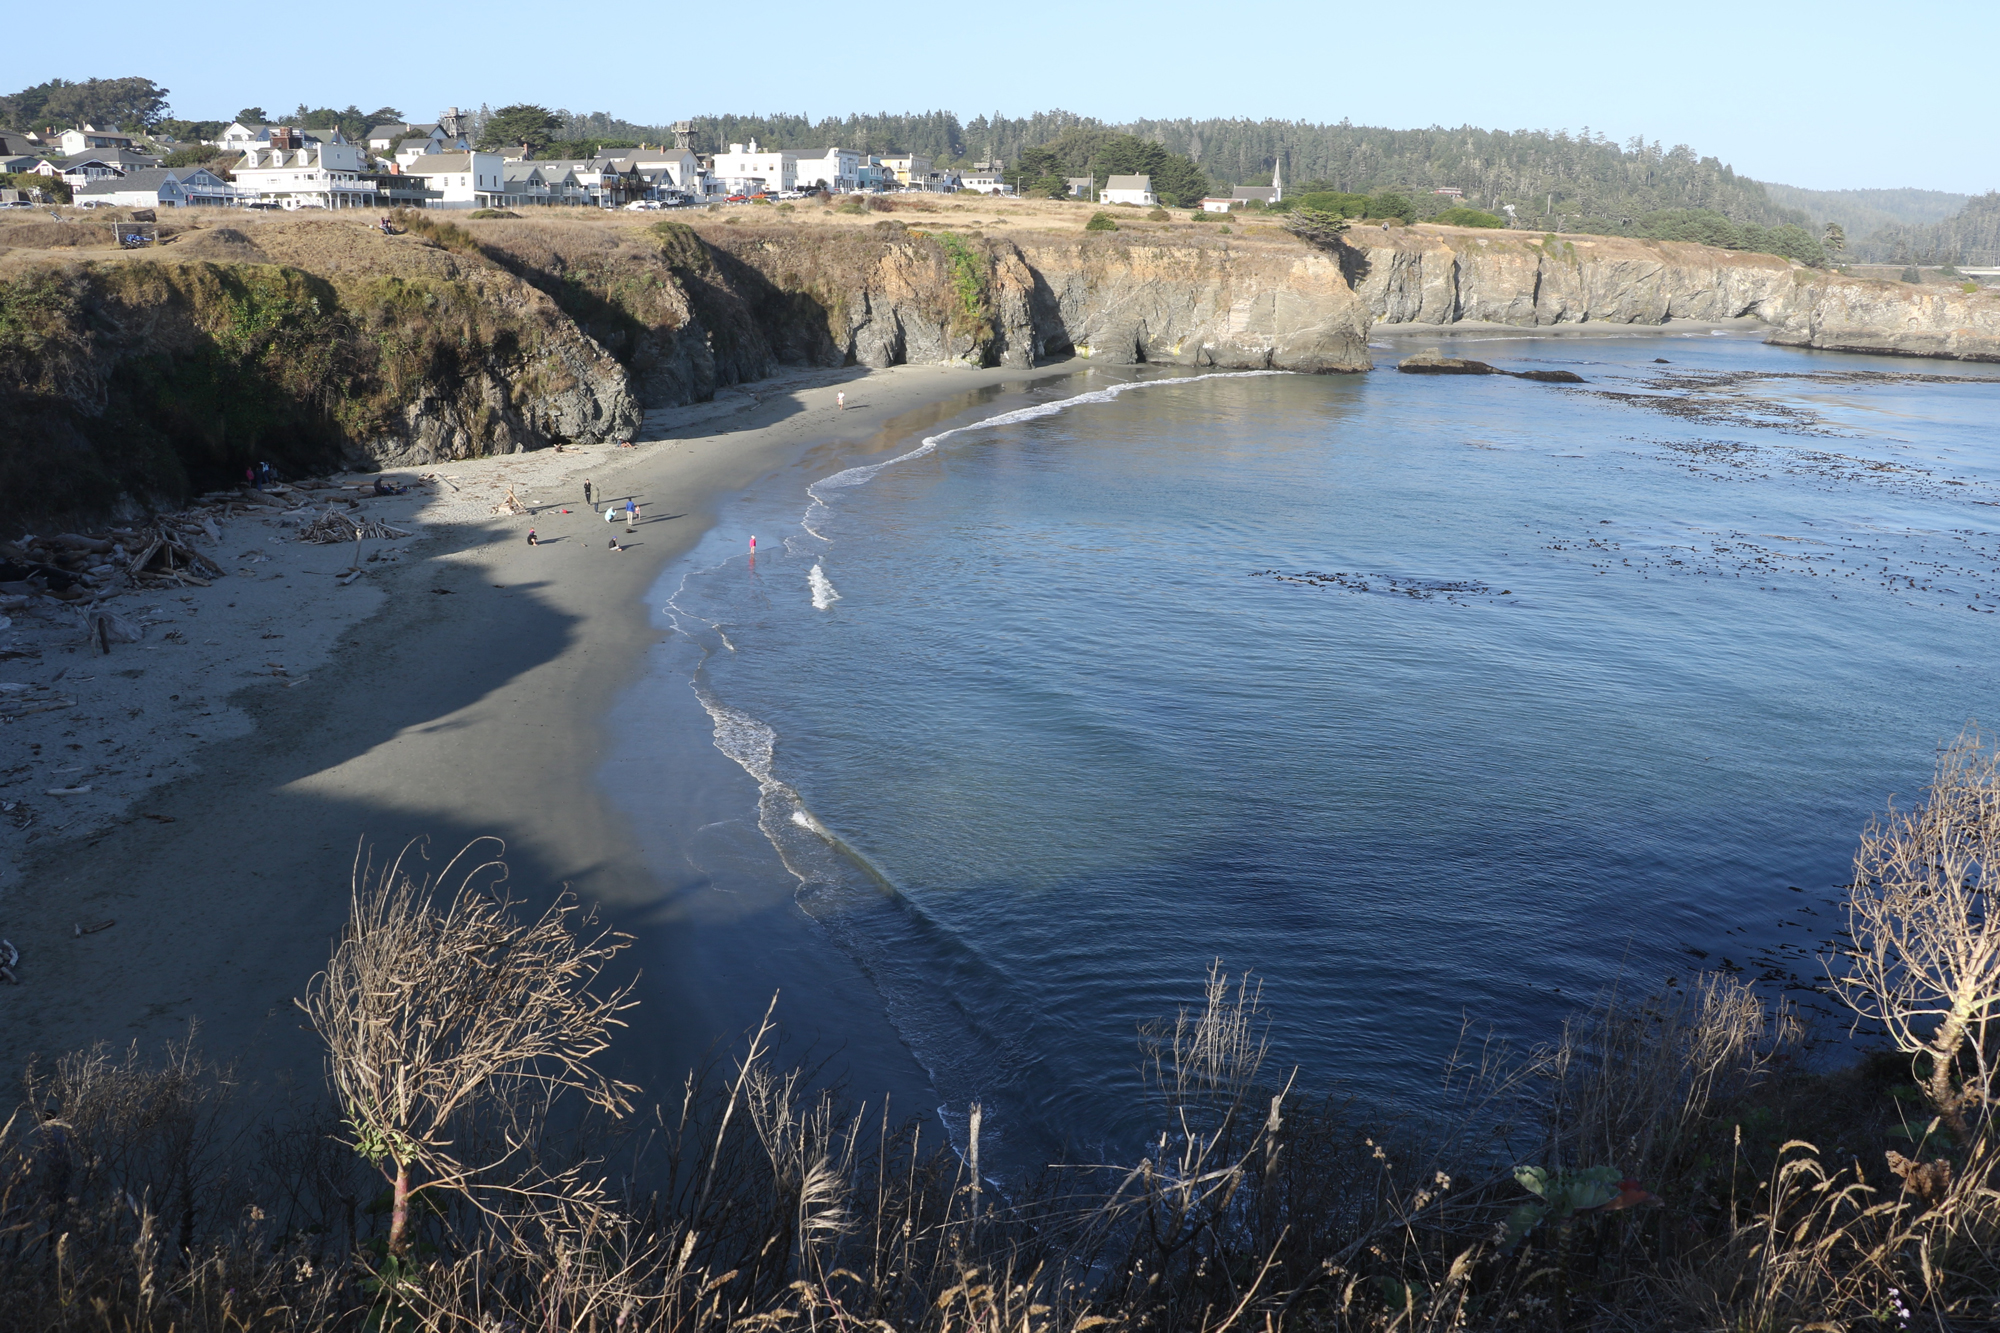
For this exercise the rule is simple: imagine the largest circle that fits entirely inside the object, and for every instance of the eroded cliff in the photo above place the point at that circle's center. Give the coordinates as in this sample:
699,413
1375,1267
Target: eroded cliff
1426,275
1429,275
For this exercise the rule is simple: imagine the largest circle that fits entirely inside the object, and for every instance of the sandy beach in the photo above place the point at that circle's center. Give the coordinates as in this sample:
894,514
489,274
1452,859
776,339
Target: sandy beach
205,789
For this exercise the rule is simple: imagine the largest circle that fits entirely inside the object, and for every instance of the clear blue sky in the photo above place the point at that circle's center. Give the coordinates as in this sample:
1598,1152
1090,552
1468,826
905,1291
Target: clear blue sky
1827,96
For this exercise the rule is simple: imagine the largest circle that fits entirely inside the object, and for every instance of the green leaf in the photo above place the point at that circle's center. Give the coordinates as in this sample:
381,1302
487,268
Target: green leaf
1533,1179
1520,1222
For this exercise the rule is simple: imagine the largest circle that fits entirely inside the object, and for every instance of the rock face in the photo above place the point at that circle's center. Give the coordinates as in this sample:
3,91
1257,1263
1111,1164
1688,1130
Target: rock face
897,295
1849,315
1434,275
1197,301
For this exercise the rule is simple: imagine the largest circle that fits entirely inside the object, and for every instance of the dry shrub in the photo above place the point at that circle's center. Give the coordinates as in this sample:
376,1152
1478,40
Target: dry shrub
1925,955
1624,1177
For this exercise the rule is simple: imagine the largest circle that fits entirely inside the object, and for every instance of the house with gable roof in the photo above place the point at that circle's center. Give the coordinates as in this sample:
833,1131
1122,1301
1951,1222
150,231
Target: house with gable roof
459,180
158,187
294,169
90,138
83,168
1128,190
243,137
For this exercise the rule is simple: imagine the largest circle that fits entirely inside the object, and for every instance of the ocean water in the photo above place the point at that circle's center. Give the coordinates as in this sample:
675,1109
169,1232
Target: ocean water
1429,700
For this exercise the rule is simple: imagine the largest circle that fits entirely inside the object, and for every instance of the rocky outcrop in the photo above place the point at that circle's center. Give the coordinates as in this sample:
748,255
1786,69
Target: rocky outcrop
1438,276
1435,275
1841,314
892,295
1196,301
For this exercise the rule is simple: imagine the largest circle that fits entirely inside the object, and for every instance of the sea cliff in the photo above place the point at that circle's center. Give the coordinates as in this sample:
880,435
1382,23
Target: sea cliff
1441,276
133,378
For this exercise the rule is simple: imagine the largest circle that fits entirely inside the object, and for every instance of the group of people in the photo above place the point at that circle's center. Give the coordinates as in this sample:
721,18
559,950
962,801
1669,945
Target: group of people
630,509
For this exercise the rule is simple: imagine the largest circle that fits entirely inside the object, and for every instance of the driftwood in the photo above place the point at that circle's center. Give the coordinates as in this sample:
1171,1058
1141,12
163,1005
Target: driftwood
335,526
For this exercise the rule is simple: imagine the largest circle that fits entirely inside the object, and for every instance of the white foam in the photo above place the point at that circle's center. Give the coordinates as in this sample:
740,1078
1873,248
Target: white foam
751,743
858,476
823,592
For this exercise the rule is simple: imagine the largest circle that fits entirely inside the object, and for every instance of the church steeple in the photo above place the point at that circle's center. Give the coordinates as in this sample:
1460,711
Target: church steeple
1277,179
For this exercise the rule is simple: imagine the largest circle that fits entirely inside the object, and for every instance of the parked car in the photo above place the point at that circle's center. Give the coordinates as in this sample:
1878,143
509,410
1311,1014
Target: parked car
641,206
737,199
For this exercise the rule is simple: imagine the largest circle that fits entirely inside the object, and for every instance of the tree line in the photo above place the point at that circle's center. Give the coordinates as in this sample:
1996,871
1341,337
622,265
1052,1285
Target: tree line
1969,236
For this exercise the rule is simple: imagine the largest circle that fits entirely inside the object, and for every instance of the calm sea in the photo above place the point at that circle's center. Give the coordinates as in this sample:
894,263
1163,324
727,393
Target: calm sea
1425,699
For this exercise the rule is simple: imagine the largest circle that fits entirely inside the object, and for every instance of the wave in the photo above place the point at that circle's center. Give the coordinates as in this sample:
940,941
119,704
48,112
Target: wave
867,472
824,595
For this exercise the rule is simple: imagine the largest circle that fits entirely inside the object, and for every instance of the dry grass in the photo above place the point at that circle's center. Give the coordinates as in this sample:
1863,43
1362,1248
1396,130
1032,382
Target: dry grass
1654,1167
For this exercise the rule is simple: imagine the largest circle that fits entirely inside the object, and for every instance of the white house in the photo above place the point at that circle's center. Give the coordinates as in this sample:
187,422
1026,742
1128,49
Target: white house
243,137
987,182
755,170
1128,190
90,137
837,170
461,180
158,187
292,171
410,149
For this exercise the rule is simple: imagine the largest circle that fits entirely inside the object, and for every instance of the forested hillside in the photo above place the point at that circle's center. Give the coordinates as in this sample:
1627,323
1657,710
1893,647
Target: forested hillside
1862,213
1556,177
1970,236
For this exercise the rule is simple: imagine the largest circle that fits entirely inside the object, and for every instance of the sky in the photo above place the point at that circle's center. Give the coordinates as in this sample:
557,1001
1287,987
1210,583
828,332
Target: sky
1828,96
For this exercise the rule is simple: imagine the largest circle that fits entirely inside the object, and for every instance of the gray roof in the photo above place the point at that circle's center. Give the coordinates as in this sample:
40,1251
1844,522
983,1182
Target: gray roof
411,145
1129,183
110,157
310,136
151,178
25,162
13,142
439,164
1260,193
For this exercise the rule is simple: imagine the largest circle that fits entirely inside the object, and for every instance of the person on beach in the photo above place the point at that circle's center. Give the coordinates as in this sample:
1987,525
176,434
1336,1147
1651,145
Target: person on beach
840,400
616,547
533,540
586,492
611,513
631,514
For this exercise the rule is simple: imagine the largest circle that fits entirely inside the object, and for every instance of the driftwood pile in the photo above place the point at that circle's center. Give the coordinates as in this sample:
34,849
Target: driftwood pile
337,525
72,566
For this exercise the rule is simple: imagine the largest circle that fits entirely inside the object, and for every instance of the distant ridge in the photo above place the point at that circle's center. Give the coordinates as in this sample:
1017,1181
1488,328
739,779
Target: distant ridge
1969,236
1862,213
1553,177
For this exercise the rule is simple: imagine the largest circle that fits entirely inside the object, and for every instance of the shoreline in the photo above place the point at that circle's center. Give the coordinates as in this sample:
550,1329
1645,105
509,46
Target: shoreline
1487,329
461,688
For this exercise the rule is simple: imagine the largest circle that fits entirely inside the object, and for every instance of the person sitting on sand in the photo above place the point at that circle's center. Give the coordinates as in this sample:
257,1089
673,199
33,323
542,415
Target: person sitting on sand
533,540
616,547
